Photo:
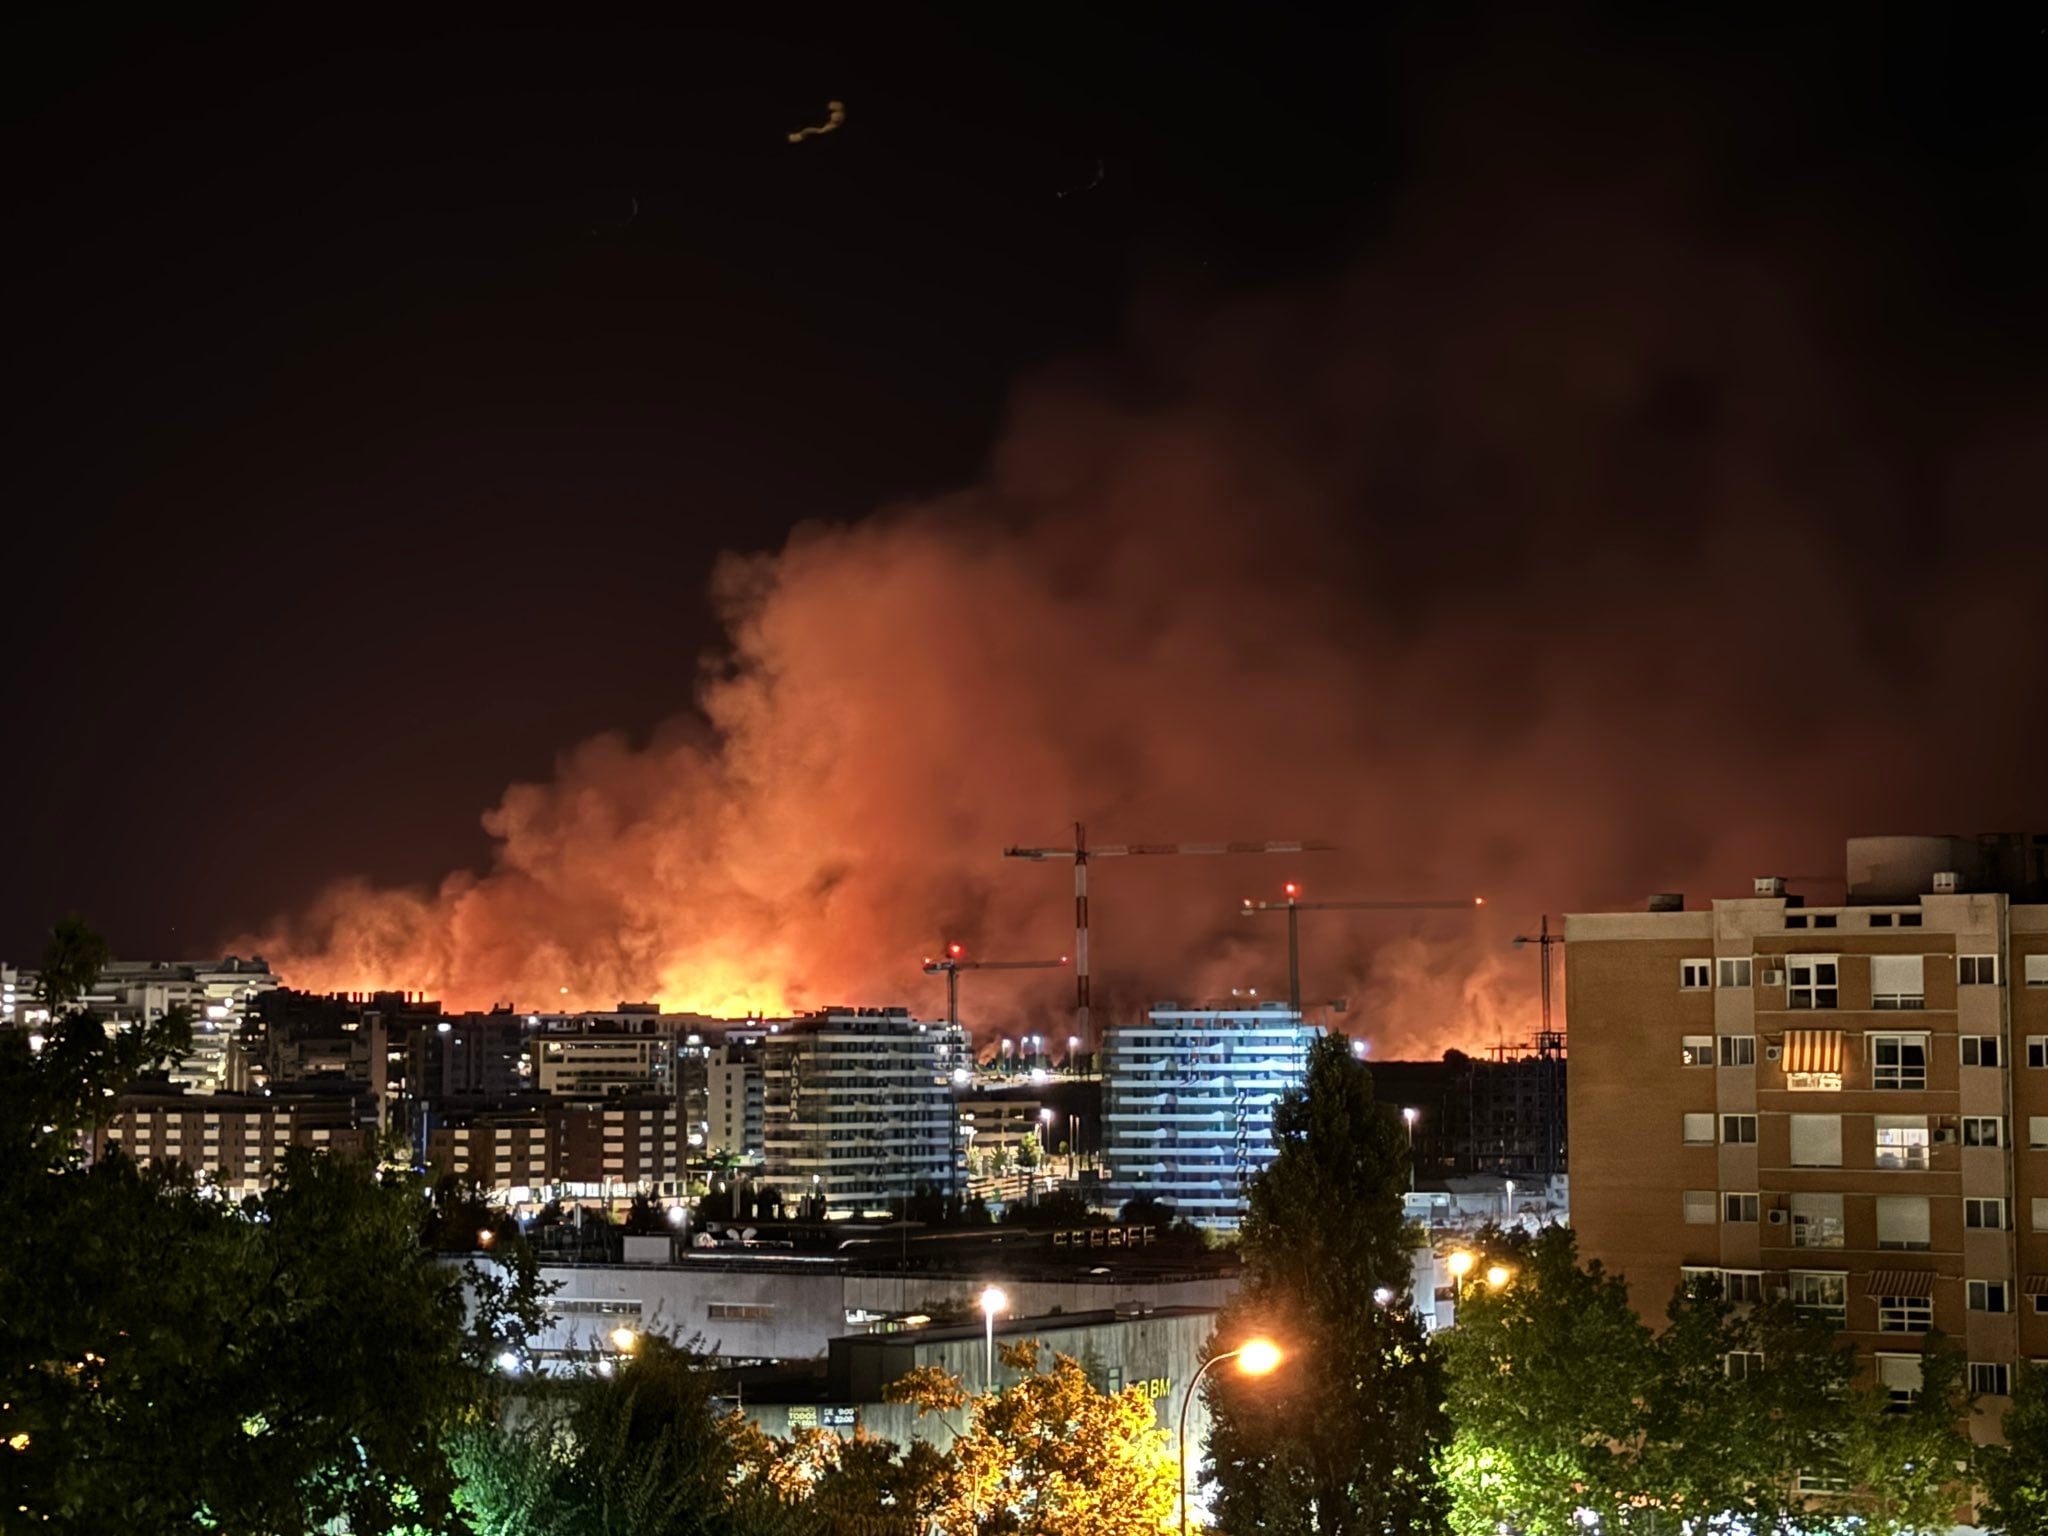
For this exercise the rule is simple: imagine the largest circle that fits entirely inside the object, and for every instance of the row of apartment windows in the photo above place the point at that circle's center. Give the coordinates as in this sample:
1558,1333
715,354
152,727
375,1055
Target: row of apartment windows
1825,1294
1813,981
1740,1130
1897,1060
1903,1221
1897,1141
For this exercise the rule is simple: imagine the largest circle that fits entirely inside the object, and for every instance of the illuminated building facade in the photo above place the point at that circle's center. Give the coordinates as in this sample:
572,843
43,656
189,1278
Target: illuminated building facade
1846,1105
1188,1116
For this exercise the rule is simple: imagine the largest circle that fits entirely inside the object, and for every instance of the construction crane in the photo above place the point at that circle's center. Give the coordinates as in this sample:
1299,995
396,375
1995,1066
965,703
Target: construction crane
1549,1058
1081,853
1294,906
955,961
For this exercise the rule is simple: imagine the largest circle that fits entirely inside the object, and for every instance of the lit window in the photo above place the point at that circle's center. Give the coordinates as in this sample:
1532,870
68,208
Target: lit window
1898,1061
1902,1141
1989,1296
1694,975
1698,1050
1900,1377
1736,973
1738,1050
1980,1050
1977,970
1983,1131
1812,981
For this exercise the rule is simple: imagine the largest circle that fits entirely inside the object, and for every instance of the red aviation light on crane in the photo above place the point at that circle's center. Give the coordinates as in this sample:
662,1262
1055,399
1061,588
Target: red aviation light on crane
956,950
1290,890
1478,901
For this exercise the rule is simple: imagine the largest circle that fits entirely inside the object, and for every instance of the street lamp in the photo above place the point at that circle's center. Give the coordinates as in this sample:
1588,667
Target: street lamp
1408,1116
1254,1357
625,1340
1497,1275
993,1300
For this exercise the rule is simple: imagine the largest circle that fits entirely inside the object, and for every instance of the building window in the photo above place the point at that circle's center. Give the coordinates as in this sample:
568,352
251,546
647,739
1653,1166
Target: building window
1739,1208
1740,1364
1902,1221
1699,1207
2037,1050
1977,970
1898,1061
1898,982
2040,1216
1738,1050
1824,920
1980,1050
1816,1141
1909,919
1739,1130
2036,970
740,1311
1990,1378
1880,919
1989,1296
1904,1314
1821,1293
1812,981
1699,1130
1817,1221
1736,973
1695,974
2037,1132
1983,1131
1900,1377
1699,1050
1902,1141
1984,1215
1795,919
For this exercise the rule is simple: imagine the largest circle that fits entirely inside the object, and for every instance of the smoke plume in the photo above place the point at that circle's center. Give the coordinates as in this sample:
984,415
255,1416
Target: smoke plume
1581,539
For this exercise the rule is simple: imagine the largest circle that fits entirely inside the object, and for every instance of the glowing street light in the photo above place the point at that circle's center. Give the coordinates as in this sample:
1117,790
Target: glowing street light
1254,1357
1460,1264
993,1300
1497,1275
625,1340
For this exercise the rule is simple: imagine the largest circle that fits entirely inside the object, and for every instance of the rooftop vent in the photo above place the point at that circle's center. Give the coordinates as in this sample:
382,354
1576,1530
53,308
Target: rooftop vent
1947,882
1770,885
1668,901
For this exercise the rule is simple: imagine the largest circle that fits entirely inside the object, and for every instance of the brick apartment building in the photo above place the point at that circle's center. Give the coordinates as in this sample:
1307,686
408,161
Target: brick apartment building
1846,1104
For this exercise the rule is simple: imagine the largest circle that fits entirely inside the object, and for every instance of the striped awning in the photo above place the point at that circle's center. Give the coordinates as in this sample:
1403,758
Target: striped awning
1813,1050
1899,1282
2036,1285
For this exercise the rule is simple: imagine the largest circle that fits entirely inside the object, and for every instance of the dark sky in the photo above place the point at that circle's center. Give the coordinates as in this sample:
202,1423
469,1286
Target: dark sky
381,396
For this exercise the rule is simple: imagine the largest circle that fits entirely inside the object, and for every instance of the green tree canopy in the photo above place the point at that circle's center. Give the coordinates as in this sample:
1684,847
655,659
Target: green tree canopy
1341,1438
2015,1474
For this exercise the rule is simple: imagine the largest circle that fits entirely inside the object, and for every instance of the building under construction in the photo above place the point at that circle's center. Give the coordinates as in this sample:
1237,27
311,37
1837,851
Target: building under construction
1503,1112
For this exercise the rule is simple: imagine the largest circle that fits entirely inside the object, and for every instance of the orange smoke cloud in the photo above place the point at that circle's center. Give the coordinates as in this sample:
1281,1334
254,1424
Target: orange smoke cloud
1509,564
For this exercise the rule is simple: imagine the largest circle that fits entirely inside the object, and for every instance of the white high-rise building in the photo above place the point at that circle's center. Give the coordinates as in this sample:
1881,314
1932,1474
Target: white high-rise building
219,994
1189,1112
858,1107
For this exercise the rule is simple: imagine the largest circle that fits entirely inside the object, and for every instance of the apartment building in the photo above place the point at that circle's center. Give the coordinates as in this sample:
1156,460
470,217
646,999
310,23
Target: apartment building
1190,1095
220,995
239,1139
734,1116
858,1107
1844,1104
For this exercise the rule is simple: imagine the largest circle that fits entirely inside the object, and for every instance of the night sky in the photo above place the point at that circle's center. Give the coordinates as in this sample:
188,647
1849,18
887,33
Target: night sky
383,397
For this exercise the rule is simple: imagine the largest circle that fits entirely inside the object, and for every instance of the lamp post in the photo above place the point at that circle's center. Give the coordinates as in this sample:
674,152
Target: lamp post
1254,1357
993,1300
1408,1117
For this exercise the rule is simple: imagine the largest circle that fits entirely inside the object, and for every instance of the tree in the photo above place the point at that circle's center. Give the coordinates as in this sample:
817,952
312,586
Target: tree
1570,1413
2015,1475
174,1361
1550,1379
1341,1438
1047,1456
